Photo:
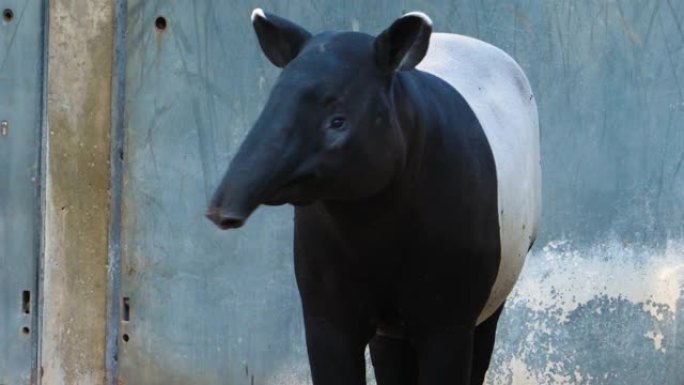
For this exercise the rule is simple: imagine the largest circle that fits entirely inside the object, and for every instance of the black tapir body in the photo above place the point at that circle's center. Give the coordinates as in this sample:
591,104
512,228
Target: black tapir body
416,193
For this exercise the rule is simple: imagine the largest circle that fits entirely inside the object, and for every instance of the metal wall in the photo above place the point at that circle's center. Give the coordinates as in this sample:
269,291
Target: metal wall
21,65
601,298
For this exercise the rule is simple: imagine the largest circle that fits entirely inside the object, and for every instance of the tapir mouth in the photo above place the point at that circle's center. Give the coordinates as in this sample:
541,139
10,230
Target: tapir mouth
294,192
227,218
294,202
233,203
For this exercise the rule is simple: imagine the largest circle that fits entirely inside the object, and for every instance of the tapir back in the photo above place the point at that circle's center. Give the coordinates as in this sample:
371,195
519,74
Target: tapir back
498,92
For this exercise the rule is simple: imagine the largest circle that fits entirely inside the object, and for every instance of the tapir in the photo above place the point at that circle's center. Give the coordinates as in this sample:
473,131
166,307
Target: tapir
412,160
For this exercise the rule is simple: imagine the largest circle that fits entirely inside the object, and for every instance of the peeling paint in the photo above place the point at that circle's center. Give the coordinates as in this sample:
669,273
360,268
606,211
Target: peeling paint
657,338
569,277
602,314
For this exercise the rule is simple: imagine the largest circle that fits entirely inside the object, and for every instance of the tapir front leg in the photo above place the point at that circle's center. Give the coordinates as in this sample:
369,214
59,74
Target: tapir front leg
335,302
394,360
335,356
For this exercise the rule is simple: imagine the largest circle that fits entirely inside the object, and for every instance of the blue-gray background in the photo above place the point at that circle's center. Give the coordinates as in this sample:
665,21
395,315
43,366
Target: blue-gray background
21,69
601,298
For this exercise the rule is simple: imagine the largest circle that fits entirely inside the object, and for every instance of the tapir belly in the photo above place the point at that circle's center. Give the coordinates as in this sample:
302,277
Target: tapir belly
498,92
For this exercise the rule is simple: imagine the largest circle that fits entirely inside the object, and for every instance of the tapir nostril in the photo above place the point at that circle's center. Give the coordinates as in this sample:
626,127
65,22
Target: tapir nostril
224,221
230,223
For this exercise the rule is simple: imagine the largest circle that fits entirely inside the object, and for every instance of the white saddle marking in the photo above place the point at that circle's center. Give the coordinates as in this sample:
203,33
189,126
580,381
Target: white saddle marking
498,92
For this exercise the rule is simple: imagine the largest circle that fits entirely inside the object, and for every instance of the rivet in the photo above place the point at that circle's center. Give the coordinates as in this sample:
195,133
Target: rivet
160,23
8,15
4,128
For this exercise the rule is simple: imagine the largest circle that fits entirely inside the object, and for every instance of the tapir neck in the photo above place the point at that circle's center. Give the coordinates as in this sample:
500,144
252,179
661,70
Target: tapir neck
408,113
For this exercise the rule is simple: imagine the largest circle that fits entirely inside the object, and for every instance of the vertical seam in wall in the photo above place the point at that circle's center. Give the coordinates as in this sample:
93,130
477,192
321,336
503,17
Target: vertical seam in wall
37,322
115,188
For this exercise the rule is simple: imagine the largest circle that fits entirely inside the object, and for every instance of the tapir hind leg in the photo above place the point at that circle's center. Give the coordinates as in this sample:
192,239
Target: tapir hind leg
445,357
483,346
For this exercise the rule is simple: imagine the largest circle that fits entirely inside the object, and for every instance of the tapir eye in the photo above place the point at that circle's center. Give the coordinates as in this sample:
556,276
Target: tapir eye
337,123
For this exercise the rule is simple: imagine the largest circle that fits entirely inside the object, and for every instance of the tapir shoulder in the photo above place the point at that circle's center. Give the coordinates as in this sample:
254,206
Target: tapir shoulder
469,64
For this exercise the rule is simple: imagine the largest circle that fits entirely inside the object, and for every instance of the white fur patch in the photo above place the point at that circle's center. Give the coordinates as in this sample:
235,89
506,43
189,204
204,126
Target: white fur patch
258,12
423,16
498,92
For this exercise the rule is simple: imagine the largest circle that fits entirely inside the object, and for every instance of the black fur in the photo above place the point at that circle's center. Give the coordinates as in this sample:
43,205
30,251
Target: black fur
396,223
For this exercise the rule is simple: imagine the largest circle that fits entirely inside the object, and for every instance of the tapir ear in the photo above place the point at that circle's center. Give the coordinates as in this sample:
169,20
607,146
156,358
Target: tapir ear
280,39
404,44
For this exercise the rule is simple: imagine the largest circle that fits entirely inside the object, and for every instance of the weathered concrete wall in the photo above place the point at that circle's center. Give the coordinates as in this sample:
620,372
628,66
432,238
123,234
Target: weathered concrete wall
600,300
75,281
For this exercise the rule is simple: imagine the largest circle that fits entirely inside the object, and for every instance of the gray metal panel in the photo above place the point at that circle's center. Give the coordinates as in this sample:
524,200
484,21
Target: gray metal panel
21,55
600,300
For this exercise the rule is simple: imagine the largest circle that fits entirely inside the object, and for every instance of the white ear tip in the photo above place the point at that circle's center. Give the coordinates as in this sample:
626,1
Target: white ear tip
423,16
258,12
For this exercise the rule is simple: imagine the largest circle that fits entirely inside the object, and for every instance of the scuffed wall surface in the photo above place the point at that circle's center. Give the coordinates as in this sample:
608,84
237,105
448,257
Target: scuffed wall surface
76,210
600,299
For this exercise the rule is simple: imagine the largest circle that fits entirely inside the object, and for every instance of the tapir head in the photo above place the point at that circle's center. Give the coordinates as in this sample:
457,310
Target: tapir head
329,129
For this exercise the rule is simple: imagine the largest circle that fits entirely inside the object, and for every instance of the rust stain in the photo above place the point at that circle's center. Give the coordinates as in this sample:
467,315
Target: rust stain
130,270
522,19
160,28
629,30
